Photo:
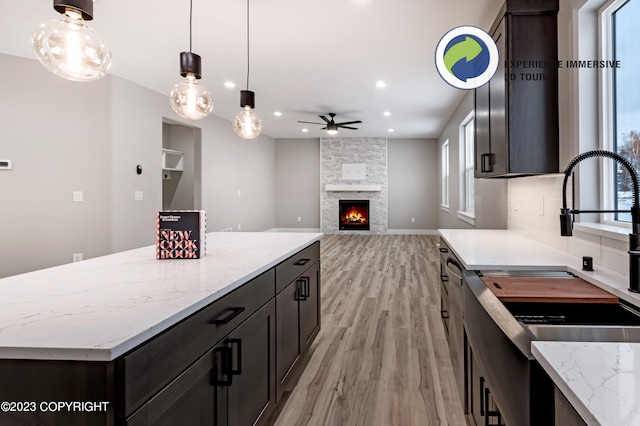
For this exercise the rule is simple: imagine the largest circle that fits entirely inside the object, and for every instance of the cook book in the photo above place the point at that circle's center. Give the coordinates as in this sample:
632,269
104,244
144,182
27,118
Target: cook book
180,234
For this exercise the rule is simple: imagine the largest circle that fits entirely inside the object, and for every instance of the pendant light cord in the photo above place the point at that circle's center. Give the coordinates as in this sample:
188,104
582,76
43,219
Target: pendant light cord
247,44
190,24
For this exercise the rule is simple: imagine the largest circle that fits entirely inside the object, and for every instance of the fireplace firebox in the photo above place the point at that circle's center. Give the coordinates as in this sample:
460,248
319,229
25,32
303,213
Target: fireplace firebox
354,215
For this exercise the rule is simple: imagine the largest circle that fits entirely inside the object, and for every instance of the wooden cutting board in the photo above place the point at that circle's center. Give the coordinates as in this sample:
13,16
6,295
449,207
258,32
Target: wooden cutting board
556,290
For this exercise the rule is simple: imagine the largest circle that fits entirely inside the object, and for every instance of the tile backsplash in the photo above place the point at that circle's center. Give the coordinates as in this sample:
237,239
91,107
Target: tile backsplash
533,209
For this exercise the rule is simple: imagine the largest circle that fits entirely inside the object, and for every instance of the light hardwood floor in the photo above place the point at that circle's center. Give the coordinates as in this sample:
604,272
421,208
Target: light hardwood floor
381,357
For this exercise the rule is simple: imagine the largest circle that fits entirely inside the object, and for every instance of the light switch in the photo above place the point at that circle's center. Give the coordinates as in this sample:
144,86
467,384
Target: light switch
77,196
138,195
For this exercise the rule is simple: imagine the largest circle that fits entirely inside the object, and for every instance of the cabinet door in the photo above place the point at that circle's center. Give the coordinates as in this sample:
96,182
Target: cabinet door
497,106
288,348
252,349
192,395
476,392
309,305
482,148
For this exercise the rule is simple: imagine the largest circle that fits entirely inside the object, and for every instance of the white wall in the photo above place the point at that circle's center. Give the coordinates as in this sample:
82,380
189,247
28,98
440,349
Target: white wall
57,134
64,136
490,194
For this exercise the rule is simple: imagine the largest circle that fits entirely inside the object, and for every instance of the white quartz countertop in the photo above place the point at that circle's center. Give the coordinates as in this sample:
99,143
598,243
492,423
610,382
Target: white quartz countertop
600,380
100,308
501,249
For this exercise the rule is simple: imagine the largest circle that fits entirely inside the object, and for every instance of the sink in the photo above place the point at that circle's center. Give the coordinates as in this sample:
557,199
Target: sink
586,333
578,322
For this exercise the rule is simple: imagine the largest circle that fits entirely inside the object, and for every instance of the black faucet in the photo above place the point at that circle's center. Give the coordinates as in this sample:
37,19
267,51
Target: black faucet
566,218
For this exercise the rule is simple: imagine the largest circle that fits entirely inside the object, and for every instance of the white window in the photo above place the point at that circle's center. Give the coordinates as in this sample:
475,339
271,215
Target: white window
621,106
467,194
445,175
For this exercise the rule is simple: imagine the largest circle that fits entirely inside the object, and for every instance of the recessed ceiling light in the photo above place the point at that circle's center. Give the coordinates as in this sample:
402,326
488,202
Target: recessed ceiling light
387,113
381,84
229,84
391,130
305,130
277,113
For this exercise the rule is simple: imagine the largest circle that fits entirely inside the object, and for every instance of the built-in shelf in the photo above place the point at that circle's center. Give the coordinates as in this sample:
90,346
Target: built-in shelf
172,160
369,188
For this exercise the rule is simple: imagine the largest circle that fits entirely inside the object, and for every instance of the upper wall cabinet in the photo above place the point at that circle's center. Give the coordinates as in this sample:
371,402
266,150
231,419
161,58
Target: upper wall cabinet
516,113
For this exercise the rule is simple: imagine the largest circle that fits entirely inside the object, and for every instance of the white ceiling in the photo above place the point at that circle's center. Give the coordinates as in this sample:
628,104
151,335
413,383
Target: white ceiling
307,57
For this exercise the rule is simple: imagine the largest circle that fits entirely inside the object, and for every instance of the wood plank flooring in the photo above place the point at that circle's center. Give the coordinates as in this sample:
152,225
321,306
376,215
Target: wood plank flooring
381,357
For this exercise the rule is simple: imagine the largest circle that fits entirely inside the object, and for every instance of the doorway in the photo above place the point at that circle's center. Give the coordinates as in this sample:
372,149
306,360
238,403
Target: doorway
181,166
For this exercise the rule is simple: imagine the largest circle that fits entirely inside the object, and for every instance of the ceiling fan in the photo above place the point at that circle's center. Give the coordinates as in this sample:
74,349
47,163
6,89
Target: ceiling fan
332,126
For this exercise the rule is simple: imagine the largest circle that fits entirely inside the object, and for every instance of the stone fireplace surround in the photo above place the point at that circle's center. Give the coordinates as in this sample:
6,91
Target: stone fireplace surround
353,168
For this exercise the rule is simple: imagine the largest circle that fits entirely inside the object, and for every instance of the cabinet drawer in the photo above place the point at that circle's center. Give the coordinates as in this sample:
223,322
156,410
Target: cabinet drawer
150,367
291,268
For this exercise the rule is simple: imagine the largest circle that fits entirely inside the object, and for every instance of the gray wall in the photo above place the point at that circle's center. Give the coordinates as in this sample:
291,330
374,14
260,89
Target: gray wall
65,136
412,163
490,194
57,134
297,181
413,183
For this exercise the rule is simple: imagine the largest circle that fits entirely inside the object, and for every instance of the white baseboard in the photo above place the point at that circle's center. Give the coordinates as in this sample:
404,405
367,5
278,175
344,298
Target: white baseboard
313,230
413,231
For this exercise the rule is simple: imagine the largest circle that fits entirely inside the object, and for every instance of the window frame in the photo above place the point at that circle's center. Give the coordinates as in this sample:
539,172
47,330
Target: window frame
607,110
465,213
445,176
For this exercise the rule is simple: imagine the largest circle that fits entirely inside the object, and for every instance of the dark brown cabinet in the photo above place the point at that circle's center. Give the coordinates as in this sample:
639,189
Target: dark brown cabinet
516,113
298,322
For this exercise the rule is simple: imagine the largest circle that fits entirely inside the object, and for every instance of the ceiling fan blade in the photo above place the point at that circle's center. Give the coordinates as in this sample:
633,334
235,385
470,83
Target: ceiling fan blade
347,127
349,122
311,122
326,120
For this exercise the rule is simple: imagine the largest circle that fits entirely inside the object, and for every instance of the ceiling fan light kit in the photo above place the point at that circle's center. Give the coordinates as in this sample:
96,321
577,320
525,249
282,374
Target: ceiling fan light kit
331,126
189,99
68,47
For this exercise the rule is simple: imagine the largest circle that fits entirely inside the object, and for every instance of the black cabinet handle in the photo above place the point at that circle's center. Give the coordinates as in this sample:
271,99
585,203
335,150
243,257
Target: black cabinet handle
489,413
444,314
225,319
302,262
301,285
306,287
443,250
224,367
482,397
486,163
444,278
238,344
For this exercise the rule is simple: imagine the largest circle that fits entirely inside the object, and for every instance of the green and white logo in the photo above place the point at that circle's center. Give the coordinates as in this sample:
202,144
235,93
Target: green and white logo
466,57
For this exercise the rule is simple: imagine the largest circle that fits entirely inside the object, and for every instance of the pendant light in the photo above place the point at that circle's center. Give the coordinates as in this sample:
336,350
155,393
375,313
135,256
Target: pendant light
70,49
189,99
247,124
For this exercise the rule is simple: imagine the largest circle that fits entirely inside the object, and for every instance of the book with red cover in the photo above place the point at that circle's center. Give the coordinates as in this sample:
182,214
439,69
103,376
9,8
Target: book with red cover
180,234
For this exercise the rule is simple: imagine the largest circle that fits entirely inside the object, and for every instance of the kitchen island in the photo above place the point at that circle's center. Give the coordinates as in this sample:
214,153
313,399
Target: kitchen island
123,328
599,380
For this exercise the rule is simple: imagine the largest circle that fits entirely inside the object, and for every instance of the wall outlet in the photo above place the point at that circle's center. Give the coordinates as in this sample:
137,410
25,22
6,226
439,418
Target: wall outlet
77,257
78,196
299,219
413,220
239,227
137,195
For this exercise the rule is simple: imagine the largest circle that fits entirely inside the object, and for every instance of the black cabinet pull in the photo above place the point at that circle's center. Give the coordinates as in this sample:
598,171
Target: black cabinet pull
306,293
225,319
224,367
443,250
489,413
444,314
482,398
302,262
444,278
238,344
301,293
485,163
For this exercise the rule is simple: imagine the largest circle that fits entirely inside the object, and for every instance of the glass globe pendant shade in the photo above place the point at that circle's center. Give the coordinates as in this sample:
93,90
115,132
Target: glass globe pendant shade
191,100
70,49
247,125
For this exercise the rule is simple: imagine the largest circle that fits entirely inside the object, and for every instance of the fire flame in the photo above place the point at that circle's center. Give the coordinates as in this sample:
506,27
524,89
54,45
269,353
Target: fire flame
354,216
